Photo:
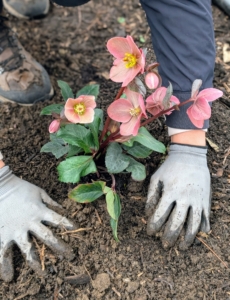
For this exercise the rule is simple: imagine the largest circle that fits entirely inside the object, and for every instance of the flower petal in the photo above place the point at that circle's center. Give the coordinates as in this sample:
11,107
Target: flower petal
119,110
134,49
131,74
89,101
210,94
119,72
154,110
118,46
87,117
71,115
197,123
131,127
71,102
175,100
141,61
201,110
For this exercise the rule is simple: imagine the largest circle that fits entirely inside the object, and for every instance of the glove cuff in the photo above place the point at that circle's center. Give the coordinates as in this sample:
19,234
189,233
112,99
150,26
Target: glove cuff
202,150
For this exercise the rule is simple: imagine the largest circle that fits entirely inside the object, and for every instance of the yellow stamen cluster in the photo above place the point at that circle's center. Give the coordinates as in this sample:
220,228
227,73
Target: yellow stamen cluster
134,112
79,108
130,60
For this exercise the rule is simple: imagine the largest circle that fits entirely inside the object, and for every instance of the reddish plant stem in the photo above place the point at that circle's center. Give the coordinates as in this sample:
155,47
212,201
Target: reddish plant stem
107,141
120,92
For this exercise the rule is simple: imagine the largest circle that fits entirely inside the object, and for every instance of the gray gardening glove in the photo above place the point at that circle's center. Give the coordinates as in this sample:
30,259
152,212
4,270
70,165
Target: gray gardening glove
22,212
179,191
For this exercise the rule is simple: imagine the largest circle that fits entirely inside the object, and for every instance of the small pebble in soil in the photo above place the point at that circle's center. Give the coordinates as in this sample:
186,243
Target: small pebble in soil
102,282
132,286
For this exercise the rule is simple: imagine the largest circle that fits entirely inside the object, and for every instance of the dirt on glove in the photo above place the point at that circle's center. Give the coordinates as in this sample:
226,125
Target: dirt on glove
70,44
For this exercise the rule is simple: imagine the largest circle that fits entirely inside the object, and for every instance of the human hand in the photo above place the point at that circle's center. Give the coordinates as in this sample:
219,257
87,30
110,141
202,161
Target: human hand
22,211
179,191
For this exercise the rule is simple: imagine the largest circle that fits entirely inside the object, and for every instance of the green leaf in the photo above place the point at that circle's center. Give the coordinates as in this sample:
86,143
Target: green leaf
113,224
121,20
145,138
110,203
73,150
117,212
94,127
115,160
137,170
77,135
100,114
73,168
91,89
141,38
57,147
106,189
65,90
138,150
85,193
53,108
117,206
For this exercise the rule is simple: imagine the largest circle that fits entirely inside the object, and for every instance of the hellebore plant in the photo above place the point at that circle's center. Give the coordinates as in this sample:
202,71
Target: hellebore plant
92,146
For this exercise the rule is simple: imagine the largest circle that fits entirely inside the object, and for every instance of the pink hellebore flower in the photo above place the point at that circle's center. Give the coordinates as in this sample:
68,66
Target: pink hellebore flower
200,110
80,110
54,126
128,111
152,80
129,61
155,101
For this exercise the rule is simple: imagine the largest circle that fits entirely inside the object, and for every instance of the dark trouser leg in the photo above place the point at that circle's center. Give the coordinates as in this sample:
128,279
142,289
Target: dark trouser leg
70,2
183,41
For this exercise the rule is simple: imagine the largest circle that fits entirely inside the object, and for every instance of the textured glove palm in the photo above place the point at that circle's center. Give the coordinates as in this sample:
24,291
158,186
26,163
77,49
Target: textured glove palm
179,191
22,211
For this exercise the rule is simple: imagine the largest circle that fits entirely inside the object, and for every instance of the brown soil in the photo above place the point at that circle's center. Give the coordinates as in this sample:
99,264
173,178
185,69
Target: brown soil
70,44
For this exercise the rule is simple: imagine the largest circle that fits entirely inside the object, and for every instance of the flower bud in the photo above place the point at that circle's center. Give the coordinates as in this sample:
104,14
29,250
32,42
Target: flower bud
152,80
54,126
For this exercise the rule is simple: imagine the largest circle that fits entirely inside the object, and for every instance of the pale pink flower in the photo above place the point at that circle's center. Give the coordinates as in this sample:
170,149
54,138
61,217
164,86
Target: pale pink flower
80,110
200,110
54,126
155,101
128,111
129,61
152,80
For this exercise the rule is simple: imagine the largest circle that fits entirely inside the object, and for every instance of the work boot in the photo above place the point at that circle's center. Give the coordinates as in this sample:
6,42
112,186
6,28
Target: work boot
22,79
25,9
224,5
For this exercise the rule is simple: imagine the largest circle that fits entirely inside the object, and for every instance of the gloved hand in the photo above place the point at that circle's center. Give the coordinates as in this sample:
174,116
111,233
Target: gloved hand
180,190
22,212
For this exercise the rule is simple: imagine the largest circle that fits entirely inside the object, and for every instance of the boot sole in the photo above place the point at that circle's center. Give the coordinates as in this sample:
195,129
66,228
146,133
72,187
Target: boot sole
18,15
5,100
